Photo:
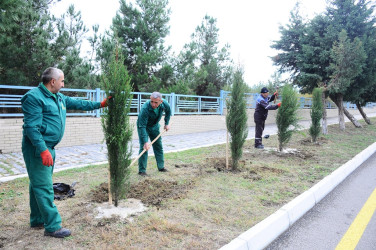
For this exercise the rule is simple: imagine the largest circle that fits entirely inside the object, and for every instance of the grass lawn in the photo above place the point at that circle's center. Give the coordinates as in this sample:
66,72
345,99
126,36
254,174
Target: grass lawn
198,204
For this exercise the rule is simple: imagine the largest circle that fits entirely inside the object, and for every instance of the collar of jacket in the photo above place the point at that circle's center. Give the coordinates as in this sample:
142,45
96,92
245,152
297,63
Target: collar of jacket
45,91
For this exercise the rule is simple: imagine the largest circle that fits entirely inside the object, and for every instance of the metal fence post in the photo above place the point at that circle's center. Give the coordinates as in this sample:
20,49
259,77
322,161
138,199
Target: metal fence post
172,104
221,100
97,99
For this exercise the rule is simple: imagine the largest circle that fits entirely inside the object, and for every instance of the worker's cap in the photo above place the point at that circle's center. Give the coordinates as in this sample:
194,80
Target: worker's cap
264,90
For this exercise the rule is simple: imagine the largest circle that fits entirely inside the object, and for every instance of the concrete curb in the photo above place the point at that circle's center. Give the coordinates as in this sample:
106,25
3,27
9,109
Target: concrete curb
266,231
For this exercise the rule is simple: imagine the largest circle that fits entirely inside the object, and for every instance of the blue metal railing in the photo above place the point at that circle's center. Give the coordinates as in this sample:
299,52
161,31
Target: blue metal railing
305,102
10,104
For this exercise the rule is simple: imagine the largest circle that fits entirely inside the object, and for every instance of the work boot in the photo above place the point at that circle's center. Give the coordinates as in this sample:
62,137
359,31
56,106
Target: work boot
61,233
142,174
38,226
163,170
259,146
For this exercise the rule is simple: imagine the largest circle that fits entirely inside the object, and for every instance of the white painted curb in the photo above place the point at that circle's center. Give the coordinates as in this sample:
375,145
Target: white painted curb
266,231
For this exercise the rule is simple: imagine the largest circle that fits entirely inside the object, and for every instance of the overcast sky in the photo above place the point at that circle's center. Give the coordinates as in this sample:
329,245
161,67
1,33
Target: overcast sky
249,26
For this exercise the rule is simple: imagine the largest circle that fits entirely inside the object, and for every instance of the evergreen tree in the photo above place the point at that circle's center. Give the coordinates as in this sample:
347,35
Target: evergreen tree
31,40
287,116
26,32
236,118
78,71
204,66
316,114
116,125
307,48
141,30
348,61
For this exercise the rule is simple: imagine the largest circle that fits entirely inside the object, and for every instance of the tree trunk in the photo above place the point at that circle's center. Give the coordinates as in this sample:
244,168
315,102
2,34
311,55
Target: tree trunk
338,100
324,115
352,119
365,117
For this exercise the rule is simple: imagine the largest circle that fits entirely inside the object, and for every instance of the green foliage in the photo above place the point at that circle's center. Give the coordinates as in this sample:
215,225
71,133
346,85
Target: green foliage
348,61
32,40
316,114
26,30
287,116
236,118
202,65
116,125
307,46
141,30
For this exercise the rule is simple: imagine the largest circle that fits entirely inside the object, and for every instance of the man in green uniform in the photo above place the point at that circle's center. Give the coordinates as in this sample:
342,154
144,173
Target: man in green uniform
44,110
148,126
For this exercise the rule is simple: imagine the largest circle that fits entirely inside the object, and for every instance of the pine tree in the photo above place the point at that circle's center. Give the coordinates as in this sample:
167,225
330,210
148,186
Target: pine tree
236,118
202,64
31,40
141,30
316,114
287,116
116,125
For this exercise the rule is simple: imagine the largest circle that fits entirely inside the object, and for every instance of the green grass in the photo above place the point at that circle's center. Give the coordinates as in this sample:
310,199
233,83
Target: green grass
211,206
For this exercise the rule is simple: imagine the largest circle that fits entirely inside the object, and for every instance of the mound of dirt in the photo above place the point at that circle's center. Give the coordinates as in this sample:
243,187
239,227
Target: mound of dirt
149,191
153,192
100,194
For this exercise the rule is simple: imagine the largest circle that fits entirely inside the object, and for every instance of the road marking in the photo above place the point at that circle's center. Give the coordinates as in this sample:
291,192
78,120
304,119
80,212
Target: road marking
356,230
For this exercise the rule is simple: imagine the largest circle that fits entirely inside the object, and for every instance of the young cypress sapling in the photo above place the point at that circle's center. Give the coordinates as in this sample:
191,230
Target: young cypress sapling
316,114
236,118
287,116
116,125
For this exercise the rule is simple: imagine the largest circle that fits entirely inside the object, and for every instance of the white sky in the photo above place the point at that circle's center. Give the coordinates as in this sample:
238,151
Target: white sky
249,26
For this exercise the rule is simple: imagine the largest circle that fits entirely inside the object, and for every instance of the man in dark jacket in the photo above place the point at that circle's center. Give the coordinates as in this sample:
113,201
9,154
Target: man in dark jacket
261,113
148,127
44,110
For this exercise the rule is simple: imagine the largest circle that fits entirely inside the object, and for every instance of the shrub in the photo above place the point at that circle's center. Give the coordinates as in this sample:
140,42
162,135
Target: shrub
316,114
236,118
287,116
117,127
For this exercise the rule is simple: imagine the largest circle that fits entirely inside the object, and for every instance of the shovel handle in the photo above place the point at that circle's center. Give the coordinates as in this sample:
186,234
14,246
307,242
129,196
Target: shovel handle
143,151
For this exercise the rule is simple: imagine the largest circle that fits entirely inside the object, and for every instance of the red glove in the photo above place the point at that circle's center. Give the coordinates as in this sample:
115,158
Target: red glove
47,158
104,102
279,105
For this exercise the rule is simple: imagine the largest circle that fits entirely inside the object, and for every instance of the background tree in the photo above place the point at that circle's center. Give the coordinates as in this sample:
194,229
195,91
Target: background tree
26,32
204,66
287,116
236,118
141,30
307,45
316,114
348,60
31,40
78,71
116,125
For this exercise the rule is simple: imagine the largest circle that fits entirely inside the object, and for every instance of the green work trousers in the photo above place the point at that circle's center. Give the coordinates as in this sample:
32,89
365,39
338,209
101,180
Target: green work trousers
41,192
152,132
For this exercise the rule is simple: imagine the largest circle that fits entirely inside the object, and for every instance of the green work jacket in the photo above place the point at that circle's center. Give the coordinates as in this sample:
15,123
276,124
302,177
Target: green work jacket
45,113
149,118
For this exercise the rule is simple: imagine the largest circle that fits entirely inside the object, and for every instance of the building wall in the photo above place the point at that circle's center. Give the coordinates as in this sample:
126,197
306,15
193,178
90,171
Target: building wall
88,130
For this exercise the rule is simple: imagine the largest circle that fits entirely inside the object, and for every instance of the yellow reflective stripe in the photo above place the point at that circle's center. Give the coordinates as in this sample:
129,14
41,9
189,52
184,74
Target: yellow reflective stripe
354,233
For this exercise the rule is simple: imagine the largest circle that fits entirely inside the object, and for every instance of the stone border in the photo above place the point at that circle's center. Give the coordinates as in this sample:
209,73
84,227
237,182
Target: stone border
266,231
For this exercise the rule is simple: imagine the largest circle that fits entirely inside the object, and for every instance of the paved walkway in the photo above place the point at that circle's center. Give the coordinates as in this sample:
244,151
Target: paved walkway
13,166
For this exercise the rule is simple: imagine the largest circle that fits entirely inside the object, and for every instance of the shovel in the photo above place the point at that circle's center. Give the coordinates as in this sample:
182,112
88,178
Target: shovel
143,151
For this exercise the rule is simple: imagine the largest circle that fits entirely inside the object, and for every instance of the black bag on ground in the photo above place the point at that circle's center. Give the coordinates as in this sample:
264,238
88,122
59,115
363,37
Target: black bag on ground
62,190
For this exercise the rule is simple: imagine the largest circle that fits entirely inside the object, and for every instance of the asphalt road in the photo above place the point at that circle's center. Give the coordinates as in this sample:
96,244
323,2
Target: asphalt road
326,224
